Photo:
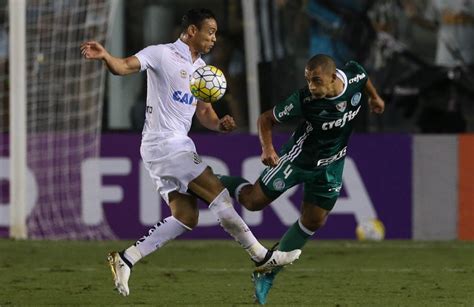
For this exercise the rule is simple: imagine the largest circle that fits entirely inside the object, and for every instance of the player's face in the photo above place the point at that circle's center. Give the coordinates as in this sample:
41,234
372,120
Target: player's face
319,82
205,37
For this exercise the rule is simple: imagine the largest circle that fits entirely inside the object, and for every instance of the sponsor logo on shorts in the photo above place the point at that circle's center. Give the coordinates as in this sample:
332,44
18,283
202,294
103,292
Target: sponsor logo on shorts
331,159
279,184
196,158
356,99
335,189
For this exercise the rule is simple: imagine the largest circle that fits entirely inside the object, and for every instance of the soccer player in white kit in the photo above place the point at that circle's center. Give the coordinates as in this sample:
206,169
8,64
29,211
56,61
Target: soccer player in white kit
170,155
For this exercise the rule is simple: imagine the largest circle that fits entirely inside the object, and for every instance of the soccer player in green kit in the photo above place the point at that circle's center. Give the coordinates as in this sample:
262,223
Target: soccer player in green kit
314,155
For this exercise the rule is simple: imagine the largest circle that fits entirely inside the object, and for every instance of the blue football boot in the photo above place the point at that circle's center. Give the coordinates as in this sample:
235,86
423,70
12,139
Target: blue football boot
263,283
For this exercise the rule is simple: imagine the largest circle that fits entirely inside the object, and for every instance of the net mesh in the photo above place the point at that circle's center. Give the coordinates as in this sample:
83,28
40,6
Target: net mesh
64,110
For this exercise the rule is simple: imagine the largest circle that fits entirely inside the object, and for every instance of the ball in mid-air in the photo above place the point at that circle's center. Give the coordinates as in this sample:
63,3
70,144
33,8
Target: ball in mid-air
208,83
373,230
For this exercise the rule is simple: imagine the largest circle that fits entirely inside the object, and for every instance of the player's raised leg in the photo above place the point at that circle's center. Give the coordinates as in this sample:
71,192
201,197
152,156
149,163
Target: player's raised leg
312,218
233,184
209,188
184,218
251,196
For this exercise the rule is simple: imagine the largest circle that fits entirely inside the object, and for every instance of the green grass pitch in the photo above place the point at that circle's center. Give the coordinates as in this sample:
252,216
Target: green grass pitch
217,273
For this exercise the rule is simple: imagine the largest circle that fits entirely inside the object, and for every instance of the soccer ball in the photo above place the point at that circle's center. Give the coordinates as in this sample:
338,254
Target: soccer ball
372,230
208,83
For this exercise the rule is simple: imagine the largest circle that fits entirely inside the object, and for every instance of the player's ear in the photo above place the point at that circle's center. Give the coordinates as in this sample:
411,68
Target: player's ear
192,29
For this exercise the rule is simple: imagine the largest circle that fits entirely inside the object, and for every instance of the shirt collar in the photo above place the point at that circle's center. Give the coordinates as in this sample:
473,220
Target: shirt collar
342,76
183,48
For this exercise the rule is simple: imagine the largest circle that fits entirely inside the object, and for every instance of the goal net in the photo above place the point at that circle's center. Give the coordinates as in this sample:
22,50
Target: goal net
64,110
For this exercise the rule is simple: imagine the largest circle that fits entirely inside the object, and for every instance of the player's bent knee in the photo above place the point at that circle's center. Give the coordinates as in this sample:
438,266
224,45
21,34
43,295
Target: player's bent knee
252,205
189,219
253,200
190,222
314,223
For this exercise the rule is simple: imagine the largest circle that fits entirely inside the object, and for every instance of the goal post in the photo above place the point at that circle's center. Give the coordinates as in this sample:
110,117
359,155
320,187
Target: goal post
17,98
54,109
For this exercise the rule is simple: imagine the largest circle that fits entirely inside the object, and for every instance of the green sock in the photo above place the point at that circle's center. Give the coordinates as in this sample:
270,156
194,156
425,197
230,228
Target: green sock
294,238
232,183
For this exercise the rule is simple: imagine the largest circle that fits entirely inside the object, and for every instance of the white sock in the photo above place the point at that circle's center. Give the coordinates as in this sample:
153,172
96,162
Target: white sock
231,221
132,254
159,235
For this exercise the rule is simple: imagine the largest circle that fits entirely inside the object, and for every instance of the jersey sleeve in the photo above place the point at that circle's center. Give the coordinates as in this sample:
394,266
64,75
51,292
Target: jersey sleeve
288,109
150,57
356,67
360,74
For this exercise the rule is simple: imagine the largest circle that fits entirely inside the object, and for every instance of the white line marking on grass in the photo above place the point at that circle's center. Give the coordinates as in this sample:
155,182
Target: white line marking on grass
293,269
391,245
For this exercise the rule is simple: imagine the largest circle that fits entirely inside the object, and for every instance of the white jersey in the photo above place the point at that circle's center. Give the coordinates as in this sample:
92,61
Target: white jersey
170,106
455,34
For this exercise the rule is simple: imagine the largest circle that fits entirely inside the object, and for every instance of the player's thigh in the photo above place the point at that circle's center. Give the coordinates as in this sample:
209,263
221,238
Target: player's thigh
274,181
206,186
322,186
174,172
184,208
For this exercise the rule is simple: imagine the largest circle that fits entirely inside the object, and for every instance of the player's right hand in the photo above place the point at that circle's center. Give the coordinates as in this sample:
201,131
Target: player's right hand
270,157
93,50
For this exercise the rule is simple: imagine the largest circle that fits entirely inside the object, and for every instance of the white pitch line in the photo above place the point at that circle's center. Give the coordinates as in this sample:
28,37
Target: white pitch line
390,246
293,269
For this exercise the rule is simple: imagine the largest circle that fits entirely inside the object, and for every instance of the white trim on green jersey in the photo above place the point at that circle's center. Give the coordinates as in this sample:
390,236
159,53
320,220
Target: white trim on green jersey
342,76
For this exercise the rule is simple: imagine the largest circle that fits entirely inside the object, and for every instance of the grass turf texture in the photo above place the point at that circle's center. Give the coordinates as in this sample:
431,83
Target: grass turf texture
217,273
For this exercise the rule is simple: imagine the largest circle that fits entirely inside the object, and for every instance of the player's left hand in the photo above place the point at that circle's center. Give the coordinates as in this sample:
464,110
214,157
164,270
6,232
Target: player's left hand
226,124
93,50
376,104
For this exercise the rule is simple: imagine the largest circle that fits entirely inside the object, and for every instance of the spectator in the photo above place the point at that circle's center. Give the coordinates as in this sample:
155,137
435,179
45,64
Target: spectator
448,97
340,28
454,23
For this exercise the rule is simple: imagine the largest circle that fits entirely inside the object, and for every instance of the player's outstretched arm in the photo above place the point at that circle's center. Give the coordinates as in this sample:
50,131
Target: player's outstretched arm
265,123
118,66
376,103
208,118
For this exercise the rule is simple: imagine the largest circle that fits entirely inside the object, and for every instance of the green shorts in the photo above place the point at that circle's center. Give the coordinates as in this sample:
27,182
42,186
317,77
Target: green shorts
321,186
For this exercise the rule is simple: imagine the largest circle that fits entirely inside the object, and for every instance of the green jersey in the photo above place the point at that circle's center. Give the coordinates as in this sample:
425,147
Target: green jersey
322,136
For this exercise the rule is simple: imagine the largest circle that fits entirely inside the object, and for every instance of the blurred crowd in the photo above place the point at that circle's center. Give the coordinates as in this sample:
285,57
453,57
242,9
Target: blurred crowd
423,58
419,54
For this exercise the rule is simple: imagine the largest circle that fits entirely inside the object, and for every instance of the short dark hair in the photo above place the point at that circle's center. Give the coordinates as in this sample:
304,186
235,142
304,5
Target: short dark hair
195,17
324,61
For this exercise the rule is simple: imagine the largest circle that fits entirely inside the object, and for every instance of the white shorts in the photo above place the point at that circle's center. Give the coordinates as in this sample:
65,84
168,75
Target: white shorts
173,169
